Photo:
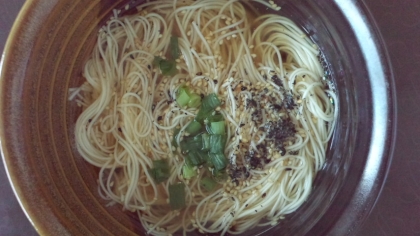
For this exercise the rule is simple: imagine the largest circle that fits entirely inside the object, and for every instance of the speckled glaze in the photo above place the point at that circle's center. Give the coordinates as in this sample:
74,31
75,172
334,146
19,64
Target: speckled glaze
55,186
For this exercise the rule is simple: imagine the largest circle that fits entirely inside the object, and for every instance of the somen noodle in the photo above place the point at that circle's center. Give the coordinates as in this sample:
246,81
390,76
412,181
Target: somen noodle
276,115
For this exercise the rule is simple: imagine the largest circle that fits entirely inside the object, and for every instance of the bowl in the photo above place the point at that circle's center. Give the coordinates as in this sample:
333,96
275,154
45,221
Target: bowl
44,57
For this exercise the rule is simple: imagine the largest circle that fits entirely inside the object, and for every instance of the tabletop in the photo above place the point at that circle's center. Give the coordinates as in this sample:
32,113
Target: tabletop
398,208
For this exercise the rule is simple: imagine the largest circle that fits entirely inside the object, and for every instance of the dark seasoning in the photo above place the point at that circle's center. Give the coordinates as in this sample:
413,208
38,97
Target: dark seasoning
279,130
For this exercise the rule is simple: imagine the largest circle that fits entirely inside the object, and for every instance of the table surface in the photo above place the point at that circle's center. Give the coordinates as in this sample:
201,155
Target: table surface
398,208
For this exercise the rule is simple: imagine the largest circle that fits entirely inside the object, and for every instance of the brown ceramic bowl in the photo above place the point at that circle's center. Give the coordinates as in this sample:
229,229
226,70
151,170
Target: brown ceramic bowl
44,57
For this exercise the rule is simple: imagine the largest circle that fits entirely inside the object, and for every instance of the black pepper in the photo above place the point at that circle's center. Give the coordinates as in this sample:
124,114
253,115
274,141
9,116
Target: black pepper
251,103
276,107
277,81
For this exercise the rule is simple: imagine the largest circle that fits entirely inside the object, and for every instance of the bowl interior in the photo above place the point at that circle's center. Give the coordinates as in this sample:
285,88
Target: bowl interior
44,57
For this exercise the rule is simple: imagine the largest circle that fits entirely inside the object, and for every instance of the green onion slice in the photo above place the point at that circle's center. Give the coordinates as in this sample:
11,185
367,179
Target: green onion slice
191,144
194,159
217,127
217,144
203,114
176,133
193,127
211,101
208,183
205,141
215,117
182,97
219,160
177,196
219,176
195,100
188,171
174,48
167,67
208,104
160,171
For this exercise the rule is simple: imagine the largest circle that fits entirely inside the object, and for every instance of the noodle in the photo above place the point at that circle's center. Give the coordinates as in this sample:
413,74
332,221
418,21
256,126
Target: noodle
268,77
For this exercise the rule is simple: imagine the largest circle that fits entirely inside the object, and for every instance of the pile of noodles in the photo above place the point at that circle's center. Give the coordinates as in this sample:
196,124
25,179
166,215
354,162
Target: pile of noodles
129,114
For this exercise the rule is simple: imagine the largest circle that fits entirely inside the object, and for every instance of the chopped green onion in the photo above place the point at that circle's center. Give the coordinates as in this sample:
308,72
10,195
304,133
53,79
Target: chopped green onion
176,133
219,176
159,175
205,148
188,172
193,127
161,164
208,129
216,143
168,67
215,118
218,127
206,142
208,183
204,156
184,88
160,171
157,60
174,46
219,160
182,97
177,196
224,139
211,101
203,114
195,100
191,144
194,159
